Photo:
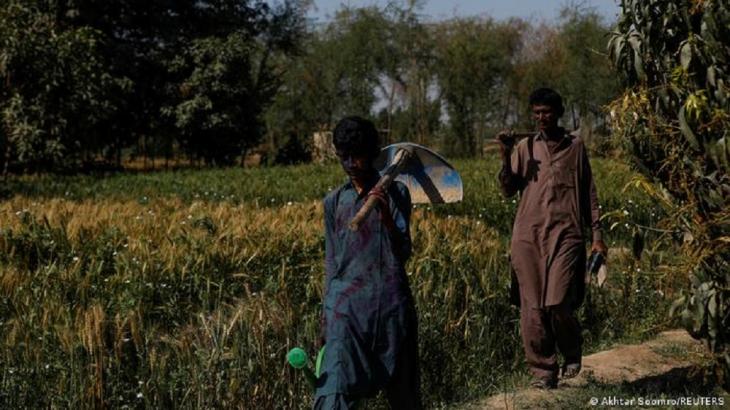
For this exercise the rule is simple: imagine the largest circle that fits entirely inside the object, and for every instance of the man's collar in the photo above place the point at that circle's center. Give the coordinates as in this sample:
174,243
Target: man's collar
541,135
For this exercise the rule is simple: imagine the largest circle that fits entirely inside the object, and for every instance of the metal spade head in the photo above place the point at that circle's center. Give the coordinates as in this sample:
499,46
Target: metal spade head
429,178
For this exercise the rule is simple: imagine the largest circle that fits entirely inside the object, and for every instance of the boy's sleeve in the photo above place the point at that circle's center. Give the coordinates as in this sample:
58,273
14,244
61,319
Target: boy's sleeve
329,240
329,257
402,219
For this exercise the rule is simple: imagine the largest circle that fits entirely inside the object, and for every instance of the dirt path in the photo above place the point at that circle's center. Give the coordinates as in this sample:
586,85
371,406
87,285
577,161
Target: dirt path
672,357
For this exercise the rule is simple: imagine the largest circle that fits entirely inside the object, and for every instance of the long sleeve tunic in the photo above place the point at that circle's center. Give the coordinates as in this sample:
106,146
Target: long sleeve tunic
557,198
368,306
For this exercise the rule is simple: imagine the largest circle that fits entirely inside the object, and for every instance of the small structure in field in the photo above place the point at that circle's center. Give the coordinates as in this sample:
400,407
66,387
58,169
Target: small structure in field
323,149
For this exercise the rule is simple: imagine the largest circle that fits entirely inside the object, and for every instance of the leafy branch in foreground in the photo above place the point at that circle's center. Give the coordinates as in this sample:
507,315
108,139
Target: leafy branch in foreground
674,121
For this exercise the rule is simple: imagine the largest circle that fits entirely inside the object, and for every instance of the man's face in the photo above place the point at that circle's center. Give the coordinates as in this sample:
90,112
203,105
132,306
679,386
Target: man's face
545,116
355,166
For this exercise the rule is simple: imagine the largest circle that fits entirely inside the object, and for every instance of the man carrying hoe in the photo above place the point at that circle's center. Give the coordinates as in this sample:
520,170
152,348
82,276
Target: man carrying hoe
558,198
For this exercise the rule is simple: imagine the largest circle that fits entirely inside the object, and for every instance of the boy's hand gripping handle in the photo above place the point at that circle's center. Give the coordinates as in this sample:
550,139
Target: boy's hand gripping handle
399,161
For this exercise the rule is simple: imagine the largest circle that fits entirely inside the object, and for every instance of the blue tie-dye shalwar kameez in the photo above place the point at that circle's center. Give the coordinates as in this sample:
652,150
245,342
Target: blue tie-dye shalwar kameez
369,315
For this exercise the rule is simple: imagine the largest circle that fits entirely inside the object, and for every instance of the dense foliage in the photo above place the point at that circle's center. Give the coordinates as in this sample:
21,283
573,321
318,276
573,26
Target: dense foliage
87,82
82,81
675,120
450,84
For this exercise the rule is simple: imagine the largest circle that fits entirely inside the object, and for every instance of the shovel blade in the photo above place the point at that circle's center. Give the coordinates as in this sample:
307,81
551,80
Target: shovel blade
428,176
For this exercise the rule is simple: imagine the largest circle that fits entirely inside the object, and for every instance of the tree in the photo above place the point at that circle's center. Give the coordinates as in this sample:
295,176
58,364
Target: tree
336,76
569,57
88,78
587,82
473,59
408,77
58,94
215,108
674,120
209,67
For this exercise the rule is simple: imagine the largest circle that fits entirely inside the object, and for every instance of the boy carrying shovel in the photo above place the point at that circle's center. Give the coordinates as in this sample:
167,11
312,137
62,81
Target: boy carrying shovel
369,319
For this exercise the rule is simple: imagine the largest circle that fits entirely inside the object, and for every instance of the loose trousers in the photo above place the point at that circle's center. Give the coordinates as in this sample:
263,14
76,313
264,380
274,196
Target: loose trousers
403,391
545,331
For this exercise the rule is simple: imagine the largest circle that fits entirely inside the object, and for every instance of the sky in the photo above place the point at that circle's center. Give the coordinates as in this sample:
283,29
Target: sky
499,9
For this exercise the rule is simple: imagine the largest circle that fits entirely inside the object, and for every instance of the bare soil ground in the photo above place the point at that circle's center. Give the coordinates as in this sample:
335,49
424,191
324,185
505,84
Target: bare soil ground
671,362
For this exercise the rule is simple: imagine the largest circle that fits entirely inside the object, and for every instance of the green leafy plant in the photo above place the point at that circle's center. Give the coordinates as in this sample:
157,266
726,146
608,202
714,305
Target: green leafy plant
674,121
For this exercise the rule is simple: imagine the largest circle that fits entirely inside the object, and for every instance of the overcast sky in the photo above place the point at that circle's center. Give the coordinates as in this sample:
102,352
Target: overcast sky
499,9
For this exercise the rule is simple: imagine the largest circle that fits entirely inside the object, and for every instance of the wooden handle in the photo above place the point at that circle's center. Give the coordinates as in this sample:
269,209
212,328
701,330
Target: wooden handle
399,160
363,213
516,135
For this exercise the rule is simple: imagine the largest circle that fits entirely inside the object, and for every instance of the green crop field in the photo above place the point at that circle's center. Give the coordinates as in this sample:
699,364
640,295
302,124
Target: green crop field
186,289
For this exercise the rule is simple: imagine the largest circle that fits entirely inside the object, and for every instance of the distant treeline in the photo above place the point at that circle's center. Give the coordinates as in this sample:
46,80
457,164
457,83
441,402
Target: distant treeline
85,82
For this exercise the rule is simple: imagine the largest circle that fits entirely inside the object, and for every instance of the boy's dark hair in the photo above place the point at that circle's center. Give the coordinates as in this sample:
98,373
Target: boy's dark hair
356,136
547,96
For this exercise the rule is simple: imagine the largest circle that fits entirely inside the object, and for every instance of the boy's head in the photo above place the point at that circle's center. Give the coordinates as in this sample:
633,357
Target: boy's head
547,107
357,144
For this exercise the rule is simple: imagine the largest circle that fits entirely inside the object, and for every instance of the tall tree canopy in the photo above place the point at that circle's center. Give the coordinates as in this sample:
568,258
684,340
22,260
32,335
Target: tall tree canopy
104,80
112,72
474,58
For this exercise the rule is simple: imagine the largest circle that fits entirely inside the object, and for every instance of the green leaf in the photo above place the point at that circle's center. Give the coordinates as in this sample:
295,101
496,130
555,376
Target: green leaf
721,153
639,67
689,135
685,54
677,305
712,304
720,91
617,47
711,73
635,42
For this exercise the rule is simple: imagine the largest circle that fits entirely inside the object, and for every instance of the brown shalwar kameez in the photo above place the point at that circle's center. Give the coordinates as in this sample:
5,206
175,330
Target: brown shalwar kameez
557,196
